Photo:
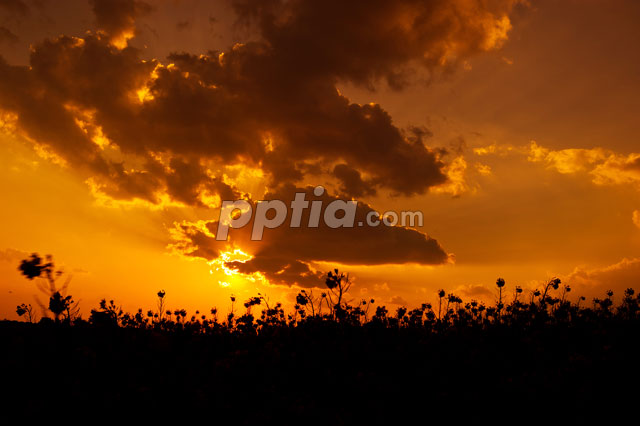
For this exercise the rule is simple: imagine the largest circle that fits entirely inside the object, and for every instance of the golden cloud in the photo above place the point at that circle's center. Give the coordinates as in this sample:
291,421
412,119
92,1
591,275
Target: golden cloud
603,166
594,282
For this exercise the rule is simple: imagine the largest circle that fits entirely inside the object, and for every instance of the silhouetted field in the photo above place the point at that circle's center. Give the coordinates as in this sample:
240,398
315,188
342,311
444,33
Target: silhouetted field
532,358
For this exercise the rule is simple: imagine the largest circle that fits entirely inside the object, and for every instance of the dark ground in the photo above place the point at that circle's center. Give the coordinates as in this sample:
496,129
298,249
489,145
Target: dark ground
323,371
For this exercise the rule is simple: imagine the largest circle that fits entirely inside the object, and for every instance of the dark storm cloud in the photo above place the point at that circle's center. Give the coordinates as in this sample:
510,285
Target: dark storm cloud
284,255
305,117
365,40
352,182
271,103
68,75
156,130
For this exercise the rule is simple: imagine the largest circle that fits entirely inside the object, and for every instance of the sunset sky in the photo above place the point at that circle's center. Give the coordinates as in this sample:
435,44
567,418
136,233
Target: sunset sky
512,125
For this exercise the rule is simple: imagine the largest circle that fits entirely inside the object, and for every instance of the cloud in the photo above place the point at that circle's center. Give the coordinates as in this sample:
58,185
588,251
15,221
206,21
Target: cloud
14,7
183,25
567,160
456,184
636,218
596,281
475,291
117,18
12,255
286,255
602,166
501,150
145,130
398,300
483,169
363,40
381,287
352,183
6,36
618,169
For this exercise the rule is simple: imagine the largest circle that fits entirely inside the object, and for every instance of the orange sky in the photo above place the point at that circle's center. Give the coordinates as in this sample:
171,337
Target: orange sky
113,160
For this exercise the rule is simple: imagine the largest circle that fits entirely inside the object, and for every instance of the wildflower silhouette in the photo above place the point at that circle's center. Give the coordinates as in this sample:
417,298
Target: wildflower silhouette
338,284
26,310
59,303
269,360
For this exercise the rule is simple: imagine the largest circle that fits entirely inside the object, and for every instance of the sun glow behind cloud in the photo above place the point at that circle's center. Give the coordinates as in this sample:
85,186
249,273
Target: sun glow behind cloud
121,41
233,276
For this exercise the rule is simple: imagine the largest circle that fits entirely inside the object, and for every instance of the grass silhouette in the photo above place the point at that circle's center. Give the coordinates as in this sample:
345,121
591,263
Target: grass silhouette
330,358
